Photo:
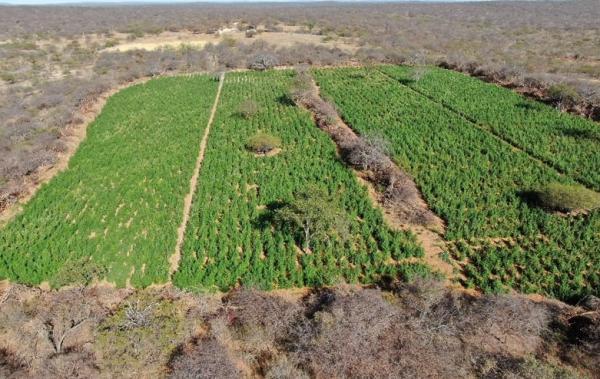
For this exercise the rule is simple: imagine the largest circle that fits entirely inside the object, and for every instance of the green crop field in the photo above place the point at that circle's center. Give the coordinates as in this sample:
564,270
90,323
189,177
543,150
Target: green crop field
474,150
225,243
476,181
568,143
120,201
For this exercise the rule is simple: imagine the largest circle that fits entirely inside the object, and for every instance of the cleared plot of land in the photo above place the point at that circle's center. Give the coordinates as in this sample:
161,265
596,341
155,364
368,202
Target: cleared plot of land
120,201
179,39
569,143
229,239
476,183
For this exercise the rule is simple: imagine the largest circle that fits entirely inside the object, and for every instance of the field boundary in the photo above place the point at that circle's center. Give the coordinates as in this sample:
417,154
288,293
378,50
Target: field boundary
72,135
187,201
489,130
430,237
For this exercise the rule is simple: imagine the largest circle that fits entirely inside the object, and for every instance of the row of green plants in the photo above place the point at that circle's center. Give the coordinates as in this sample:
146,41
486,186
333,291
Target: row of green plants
477,183
119,204
569,143
234,237
564,263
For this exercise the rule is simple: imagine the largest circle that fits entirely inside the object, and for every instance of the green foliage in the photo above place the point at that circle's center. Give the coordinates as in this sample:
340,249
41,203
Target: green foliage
111,43
475,181
563,93
248,108
119,203
231,239
262,143
313,215
561,197
566,142
80,272
8,77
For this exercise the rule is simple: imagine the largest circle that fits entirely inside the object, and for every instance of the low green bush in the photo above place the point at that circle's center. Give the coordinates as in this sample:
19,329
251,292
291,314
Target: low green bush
262,143
8,77
563,93
567,198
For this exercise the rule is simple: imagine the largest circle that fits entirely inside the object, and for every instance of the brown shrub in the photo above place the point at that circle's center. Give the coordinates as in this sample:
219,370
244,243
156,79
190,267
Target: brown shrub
251,311
11,366
204,358
344,338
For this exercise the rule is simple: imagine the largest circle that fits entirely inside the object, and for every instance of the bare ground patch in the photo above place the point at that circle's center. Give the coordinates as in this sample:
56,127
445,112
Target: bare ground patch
187,38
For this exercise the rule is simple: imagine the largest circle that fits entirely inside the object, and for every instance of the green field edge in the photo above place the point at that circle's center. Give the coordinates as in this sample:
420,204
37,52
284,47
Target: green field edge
486,128
113,104
564,245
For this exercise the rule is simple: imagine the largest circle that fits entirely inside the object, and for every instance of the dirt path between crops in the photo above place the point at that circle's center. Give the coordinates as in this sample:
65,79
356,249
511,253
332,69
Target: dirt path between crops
411,213
187,201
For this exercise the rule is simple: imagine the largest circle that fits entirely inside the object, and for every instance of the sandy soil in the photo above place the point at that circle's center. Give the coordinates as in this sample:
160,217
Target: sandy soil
177,39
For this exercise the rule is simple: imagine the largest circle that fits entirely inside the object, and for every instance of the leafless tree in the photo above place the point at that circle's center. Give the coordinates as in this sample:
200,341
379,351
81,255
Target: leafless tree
263,62
66,316
138,315
248,108
370,152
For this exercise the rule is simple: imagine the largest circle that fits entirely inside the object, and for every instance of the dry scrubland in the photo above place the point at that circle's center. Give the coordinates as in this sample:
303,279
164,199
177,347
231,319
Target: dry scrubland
416,330
437,196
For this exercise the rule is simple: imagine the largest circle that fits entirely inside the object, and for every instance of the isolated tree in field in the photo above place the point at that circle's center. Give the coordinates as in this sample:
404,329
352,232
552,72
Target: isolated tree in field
301,88
263,62
248,109
418,62
418,72
313,216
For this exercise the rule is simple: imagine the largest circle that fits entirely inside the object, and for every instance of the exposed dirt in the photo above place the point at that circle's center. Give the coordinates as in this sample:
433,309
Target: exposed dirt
187,201
186,38
411,212
432,242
